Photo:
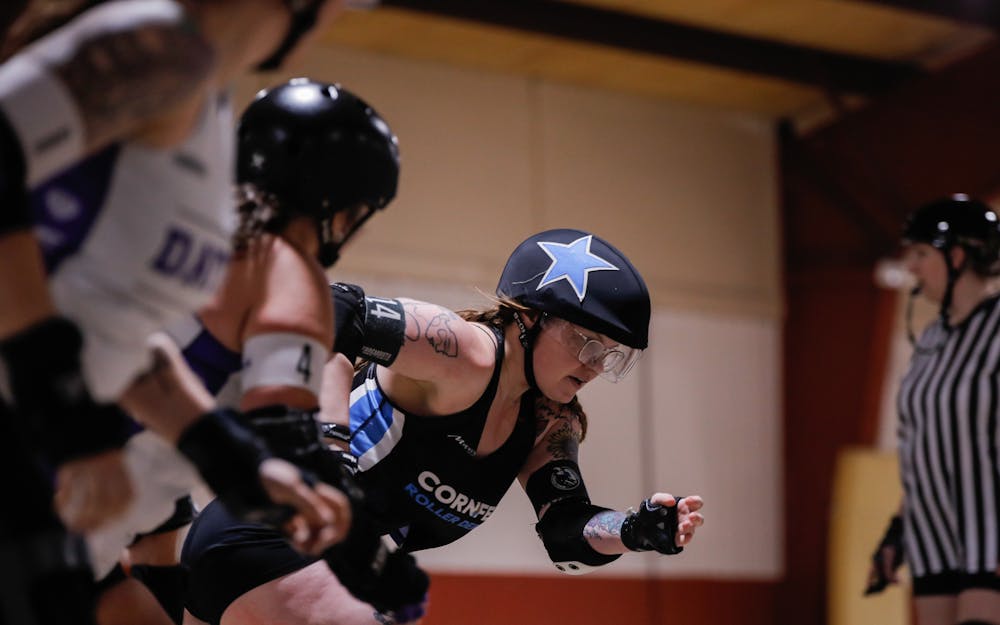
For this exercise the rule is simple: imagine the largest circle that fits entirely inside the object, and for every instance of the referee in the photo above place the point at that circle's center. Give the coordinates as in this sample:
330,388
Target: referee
947,527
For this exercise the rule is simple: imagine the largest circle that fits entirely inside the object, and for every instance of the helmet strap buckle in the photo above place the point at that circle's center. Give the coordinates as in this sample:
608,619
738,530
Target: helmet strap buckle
527,339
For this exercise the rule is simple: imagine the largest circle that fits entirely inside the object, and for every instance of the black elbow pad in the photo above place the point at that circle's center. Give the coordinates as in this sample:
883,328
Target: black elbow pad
561,531
370,327
349,319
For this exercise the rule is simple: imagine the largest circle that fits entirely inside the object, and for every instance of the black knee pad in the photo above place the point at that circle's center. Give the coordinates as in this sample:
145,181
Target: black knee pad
168,584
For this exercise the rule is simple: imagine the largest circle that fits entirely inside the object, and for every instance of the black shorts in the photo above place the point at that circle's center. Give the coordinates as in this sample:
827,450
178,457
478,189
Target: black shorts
953,583
227,558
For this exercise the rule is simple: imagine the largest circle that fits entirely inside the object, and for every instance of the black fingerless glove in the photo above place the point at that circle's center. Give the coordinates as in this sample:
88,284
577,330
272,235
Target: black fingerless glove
56,414
228,455
390,581
893,539
289,433
652,528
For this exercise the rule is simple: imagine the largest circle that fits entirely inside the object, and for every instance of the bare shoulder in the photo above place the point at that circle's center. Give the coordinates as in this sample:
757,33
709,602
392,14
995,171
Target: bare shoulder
444,363
435,334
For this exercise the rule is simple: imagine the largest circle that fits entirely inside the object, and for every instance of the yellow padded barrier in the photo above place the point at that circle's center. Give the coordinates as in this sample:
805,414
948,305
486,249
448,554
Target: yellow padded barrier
866,493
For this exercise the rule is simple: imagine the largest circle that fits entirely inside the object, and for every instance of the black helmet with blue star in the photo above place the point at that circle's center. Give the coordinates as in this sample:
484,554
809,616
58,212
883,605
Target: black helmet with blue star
580,277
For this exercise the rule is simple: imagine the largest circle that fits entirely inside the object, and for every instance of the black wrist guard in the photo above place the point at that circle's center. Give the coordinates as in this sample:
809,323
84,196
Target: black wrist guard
652,528
390,581
228,456
48,392
289,433
335,432
893,539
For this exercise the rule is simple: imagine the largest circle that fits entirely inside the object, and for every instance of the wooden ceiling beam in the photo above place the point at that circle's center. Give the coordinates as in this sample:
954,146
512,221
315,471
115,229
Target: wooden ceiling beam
981,12
833,72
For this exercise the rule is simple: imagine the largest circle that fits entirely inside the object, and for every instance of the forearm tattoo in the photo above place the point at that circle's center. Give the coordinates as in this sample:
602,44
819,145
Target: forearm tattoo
123,78
605,524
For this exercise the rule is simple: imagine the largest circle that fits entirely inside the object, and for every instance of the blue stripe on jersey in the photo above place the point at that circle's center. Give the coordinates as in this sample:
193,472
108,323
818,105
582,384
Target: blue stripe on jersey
211,360
65,207
371,418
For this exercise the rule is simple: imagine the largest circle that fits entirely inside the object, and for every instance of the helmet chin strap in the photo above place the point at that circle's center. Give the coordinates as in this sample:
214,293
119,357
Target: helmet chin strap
527,339
943,314
329,249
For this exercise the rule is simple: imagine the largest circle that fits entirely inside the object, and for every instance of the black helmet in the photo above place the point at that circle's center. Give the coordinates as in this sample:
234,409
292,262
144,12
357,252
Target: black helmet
962,221
580,277
318,149
945,223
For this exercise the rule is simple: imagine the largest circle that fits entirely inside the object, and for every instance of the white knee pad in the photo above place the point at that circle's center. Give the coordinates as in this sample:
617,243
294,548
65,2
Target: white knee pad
160,475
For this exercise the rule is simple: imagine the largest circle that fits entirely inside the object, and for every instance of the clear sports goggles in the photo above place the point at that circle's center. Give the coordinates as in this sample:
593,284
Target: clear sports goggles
612,363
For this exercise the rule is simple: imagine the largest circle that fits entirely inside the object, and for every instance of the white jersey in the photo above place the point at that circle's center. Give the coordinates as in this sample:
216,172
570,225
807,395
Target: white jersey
135,238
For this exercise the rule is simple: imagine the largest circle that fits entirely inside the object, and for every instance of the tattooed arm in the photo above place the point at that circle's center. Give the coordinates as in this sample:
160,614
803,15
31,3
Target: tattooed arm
444,364
71,92
117,71
135,80
551,477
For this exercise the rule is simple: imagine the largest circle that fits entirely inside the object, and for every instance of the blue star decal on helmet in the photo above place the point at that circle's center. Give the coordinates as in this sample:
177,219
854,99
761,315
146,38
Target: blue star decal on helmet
573,263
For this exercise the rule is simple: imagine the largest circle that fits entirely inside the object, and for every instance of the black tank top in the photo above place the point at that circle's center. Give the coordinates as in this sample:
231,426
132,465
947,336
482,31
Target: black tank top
423,481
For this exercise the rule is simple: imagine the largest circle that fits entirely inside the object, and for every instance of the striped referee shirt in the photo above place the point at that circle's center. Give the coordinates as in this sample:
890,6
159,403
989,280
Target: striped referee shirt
948,404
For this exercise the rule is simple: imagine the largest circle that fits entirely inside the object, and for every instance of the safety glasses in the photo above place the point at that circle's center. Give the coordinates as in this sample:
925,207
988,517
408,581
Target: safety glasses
612,363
